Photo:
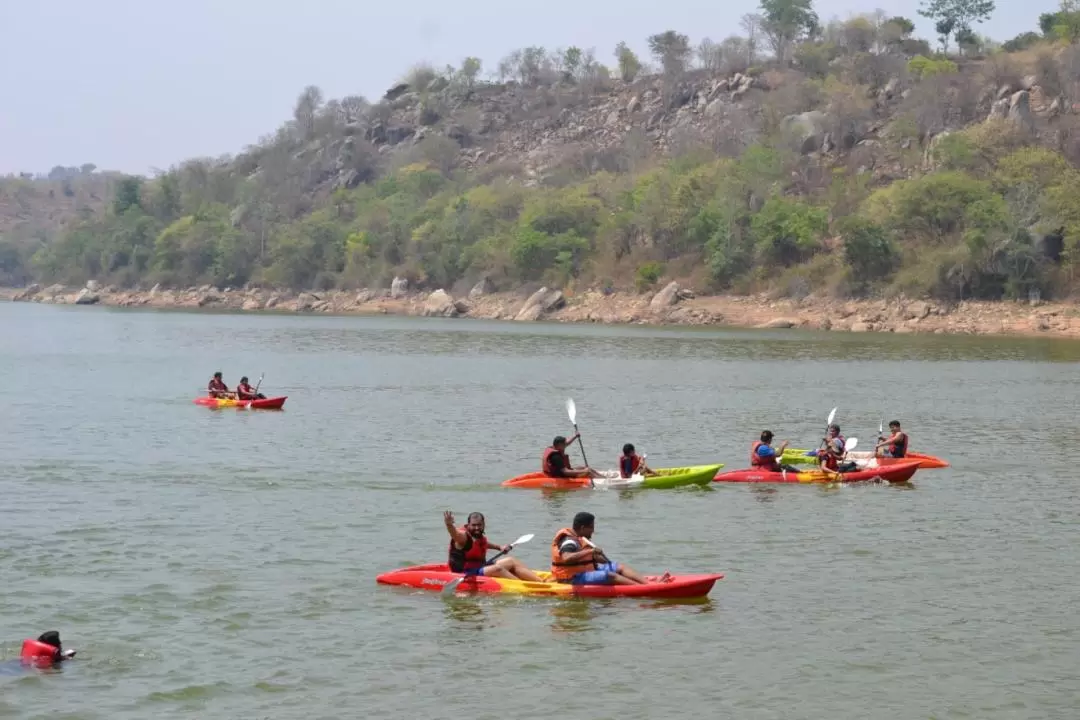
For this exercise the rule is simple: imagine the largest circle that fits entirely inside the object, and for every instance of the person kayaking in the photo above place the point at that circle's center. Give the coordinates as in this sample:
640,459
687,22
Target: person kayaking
217,387
896,445
244,391
833,448
576,560
765,457
468,552
556,463
46,651
630,463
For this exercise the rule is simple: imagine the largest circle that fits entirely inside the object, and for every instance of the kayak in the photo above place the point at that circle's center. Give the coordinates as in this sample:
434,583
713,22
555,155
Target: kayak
664,478
863,458
433,577
273,403
895,473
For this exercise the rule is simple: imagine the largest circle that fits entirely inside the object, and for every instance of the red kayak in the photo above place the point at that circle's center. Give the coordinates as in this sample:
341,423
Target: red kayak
433,577
897,472
274,403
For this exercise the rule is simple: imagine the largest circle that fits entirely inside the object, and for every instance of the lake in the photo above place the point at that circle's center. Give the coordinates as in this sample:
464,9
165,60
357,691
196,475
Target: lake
221,564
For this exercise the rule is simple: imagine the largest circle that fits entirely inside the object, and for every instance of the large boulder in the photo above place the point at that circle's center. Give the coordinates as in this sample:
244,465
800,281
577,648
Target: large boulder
481,288
666,298
540,302
399,288
28,293
806,131
439,304
86,296
1020,110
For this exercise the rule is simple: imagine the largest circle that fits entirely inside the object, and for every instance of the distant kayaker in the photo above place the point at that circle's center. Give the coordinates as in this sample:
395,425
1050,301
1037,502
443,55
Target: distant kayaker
46,651
556,463
217,387
630,463
896,445
244,391
468,552
576,560
765,457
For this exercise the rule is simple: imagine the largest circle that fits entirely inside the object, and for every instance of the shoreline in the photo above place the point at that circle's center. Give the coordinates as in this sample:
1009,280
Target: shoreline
671,305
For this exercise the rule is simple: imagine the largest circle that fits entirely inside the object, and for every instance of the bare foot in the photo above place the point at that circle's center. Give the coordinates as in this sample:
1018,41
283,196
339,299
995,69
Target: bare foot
665,578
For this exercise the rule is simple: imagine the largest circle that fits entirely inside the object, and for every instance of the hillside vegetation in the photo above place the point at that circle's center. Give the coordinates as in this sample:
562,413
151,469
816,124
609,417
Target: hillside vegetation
852,160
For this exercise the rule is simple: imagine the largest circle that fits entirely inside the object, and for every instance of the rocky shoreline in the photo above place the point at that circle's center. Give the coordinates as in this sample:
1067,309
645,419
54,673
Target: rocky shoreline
672,305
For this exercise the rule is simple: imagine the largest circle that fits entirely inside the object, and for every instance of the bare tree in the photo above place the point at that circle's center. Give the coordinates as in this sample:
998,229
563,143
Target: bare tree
751,25
306,110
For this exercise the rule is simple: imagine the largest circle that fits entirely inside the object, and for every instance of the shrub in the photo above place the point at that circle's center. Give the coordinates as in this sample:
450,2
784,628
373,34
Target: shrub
923,67
648,275
787,231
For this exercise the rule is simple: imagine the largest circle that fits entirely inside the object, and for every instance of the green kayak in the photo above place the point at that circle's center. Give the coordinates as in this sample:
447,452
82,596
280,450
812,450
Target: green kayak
664,478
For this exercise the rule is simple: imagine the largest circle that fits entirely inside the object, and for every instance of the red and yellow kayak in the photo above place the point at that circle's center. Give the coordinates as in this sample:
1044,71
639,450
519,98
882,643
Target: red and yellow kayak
433,577
900,471
274,403
926,462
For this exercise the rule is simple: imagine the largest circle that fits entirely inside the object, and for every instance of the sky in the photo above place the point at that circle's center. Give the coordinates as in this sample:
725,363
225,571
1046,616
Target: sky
135,85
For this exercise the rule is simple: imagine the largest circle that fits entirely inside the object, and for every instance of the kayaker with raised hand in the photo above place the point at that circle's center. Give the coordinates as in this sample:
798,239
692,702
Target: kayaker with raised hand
831,454
556,463
576,560
217,387
468,552
630,463
896,444
244,391
764,456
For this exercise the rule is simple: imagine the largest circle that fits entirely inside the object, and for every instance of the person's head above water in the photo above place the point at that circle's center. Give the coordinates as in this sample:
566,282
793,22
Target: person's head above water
52,637
475,524
584,524
766,436
627,449
559,443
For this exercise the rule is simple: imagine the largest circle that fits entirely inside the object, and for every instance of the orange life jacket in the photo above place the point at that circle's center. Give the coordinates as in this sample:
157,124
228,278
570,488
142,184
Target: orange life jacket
757,461
545,462
38,654
565,571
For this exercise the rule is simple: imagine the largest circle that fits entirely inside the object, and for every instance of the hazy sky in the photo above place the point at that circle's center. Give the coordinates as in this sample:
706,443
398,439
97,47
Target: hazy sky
135,84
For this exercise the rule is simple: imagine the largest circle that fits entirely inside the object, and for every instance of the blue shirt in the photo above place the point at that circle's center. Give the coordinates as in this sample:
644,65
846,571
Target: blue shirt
764,451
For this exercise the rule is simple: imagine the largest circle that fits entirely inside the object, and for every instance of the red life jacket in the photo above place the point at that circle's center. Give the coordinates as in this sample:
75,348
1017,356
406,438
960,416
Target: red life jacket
471,557
629,464
38,654
245,391
898,449
831,462
545,462
759,462
217,386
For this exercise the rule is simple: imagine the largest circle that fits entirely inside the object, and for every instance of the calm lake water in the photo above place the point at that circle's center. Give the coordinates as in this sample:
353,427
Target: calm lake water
221,564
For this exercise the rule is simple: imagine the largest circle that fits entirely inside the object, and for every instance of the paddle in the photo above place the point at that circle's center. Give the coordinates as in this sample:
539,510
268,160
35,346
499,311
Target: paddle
571,410
448,588
880,433
256,393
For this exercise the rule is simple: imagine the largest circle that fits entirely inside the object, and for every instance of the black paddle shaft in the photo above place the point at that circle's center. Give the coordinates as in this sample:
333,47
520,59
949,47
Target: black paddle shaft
581,445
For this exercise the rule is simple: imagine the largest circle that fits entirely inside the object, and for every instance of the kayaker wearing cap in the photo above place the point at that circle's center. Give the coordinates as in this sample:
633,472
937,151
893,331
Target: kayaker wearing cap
46,651
765,457
896,444
468,552
244,391
630,463
577,561
217,387
556,463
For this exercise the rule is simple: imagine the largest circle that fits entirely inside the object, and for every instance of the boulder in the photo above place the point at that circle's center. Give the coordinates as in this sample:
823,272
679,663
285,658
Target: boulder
305,302
251,304
86,296
54,290
780,324
28,293
439,304
805,131
540,302
1020,110
399,288
364,296
92,285
481,288
666,298
207,298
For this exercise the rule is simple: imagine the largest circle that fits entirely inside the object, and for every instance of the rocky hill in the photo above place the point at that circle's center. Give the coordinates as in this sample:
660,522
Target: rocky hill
865,164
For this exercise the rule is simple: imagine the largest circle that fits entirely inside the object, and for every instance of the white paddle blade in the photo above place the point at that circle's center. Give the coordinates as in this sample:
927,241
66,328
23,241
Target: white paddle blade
571,410
832,416
449,588
523,539
850,445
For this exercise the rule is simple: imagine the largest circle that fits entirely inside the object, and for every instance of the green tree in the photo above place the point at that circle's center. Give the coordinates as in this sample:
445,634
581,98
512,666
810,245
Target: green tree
787,21
788,231
629,64
672,50
867,250
128,194
956,16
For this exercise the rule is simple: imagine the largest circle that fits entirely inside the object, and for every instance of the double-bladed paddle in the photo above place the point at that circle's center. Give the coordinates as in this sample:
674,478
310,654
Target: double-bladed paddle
449,588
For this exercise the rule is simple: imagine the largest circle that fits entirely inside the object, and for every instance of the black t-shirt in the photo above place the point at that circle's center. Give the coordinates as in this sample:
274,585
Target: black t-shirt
557,465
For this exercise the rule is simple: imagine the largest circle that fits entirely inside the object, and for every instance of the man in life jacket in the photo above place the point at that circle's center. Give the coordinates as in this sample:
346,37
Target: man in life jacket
763,456
896,445
556,463
217,387
831,454
244,391
46,651
468,552
630,463
575,560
